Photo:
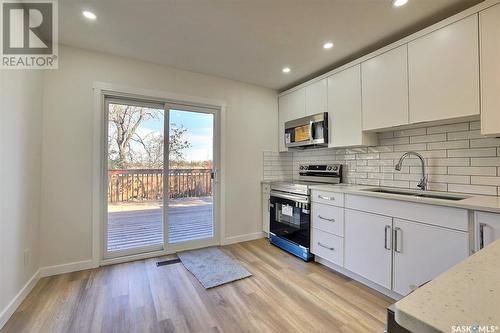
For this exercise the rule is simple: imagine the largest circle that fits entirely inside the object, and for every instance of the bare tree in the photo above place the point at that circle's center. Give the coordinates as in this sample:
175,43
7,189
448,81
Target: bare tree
129,148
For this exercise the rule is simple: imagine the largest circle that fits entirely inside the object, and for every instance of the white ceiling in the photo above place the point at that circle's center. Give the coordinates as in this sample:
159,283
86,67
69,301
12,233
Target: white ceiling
247,40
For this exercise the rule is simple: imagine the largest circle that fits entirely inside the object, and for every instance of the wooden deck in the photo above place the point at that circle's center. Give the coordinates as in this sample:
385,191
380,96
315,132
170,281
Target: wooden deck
138,228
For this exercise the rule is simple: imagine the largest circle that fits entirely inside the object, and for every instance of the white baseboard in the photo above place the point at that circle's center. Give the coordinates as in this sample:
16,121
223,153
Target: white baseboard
66,268
244,238
18,299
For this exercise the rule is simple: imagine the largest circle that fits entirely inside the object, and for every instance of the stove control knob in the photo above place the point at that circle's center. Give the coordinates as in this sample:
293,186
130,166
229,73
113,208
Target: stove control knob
329,168
306,167
301,167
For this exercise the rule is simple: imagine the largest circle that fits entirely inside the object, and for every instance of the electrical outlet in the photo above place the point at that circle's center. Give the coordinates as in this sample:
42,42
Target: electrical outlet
26,257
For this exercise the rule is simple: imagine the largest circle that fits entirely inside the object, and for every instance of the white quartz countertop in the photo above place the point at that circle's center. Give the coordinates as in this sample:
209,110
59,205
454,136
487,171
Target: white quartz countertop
465,297
472,202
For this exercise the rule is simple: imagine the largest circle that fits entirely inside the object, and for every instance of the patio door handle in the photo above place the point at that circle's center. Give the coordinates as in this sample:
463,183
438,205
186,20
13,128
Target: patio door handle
213,175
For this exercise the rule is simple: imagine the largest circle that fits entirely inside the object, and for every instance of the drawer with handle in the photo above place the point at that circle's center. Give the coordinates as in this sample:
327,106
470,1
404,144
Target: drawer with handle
328,218
328,198
327,246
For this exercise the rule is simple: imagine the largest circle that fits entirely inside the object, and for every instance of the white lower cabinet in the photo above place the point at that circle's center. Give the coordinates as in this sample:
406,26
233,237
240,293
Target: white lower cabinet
379,240
487,227
327,246
422,252
328,218
367,246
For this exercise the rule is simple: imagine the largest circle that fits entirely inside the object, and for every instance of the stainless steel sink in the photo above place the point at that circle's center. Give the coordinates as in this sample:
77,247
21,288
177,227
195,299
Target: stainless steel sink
421,194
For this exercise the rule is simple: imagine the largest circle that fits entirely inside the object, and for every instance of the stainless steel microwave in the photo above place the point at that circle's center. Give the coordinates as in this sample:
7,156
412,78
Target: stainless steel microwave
307,132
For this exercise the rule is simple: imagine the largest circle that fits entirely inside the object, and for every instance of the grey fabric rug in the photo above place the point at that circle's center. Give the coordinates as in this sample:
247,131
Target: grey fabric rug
212,267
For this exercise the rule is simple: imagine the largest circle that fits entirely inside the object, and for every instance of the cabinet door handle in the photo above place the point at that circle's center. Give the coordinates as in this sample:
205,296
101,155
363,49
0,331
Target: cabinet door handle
326,198
398,242
268,205
326,246
326,219
484,235
387,229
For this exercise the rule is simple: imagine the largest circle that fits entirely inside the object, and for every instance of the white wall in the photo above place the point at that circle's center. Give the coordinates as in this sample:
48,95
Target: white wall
20,147
251,124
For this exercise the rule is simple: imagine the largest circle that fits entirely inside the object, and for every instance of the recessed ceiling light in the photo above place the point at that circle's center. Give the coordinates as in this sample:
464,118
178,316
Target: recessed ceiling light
286,70
399,3
89,15
328,45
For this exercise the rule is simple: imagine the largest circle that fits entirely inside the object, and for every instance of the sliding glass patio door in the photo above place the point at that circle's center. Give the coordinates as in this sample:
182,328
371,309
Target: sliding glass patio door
135,178
192,176
161,176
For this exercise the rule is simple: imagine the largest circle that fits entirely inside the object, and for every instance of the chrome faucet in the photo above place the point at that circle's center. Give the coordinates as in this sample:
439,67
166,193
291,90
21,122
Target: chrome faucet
423,182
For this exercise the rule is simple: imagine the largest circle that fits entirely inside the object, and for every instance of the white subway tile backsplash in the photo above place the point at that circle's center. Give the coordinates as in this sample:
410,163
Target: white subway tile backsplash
473,189
372,182
385,135
381,149
391,169
458,159
432,153
410,132
475,125
434,186
367,168
359,150
481,180
466,135
473,171
394,141
485,161
428,138
448,128
449,179
395,183
410,147
474,152
372,156
381,162
448,162
389,176
430,170
486,142
448,145
407,176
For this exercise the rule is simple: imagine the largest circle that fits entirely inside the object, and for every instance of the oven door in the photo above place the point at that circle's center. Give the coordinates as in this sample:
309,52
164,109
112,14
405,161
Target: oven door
290,217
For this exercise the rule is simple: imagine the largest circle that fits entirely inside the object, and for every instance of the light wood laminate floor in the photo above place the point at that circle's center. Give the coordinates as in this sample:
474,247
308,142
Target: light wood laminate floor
284,294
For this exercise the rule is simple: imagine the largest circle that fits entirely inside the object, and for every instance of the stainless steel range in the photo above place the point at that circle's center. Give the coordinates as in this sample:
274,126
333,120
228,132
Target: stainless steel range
290,203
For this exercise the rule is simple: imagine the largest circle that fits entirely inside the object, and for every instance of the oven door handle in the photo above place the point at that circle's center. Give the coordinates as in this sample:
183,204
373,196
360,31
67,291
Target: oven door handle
293,197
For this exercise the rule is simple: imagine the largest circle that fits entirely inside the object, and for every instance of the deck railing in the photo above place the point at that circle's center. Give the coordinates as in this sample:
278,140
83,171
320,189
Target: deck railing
147,184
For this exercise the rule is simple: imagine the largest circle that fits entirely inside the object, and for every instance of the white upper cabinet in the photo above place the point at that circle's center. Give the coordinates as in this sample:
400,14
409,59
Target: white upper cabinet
290,106
443,69
344,110
296,105
385,89
282,109
316,100
489,22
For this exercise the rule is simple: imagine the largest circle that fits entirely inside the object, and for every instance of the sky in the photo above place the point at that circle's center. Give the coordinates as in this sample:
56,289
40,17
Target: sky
199,132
